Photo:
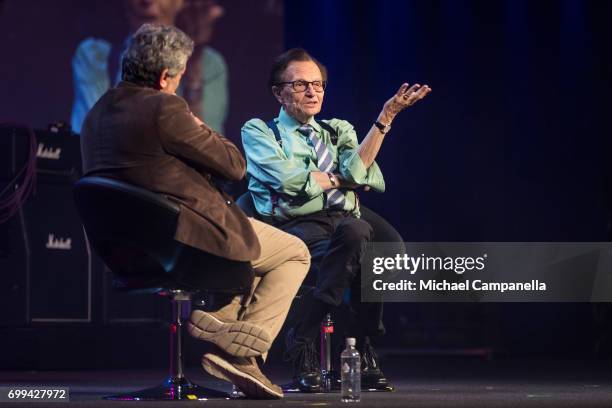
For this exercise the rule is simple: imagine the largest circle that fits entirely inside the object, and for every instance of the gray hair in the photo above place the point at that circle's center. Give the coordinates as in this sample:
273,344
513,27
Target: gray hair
152,49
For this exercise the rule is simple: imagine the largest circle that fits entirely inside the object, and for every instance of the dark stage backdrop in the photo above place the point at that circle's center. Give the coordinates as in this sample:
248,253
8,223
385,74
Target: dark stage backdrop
39,37
513,144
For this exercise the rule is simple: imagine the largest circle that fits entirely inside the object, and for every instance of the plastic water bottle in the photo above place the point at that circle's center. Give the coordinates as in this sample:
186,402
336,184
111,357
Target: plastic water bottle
350,367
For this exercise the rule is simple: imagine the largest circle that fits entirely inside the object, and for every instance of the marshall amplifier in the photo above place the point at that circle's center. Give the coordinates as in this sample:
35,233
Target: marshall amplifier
58,154
44,255
58,157
61,265
60,261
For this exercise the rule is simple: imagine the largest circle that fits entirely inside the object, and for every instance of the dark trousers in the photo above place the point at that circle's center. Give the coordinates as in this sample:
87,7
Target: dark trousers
336,241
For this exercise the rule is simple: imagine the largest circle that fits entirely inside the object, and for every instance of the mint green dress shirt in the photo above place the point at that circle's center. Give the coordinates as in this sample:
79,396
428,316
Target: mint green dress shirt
284,172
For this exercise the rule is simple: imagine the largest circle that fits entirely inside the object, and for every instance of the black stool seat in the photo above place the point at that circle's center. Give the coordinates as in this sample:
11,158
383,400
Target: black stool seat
132,230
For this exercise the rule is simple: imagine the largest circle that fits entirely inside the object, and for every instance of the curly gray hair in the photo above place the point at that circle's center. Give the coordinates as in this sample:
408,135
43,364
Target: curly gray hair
152,49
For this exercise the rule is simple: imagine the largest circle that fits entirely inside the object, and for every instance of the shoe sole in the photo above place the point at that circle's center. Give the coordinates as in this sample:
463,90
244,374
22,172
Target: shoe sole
240,339
249,385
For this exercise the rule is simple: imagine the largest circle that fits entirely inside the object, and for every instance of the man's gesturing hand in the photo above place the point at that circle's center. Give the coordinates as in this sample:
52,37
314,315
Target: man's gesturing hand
405,96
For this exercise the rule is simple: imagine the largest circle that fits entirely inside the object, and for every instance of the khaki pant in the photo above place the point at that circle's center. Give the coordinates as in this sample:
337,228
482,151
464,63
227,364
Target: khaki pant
279,271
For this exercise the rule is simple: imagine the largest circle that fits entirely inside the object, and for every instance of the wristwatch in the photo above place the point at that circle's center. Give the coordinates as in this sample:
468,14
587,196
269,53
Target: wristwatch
383,128
332,179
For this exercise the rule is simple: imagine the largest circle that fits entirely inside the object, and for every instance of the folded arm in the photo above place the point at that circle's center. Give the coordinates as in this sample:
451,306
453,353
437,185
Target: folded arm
268,163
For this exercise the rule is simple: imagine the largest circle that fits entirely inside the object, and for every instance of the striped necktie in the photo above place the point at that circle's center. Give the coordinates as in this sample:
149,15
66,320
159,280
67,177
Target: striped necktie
325,163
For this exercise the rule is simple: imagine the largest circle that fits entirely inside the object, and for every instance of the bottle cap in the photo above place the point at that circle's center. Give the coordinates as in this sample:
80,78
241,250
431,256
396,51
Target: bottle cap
350,341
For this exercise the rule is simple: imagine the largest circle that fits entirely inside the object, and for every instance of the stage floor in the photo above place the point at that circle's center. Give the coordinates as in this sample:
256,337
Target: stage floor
420,382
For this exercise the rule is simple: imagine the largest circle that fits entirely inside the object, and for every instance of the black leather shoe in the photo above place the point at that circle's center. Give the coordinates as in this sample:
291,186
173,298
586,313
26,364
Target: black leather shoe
372,377
305,357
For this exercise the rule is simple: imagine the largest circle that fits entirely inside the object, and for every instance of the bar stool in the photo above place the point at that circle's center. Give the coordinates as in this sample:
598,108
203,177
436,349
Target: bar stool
132,230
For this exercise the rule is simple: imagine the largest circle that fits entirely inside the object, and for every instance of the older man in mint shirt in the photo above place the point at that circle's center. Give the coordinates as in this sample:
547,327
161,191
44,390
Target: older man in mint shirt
303,174
282,182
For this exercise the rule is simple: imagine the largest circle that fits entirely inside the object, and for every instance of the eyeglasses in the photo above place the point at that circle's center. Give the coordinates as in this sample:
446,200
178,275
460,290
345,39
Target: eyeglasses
302,86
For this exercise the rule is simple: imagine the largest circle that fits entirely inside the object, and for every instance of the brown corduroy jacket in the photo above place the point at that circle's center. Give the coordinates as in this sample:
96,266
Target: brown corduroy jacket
150,139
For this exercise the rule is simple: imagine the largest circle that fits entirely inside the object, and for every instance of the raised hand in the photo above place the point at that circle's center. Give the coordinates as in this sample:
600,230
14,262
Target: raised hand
405,96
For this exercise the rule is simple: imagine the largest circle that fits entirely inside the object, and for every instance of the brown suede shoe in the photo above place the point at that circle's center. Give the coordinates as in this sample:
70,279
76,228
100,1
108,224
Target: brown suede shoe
240,339
244,373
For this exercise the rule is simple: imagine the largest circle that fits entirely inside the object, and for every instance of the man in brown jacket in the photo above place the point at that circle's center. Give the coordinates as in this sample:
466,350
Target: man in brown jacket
142,133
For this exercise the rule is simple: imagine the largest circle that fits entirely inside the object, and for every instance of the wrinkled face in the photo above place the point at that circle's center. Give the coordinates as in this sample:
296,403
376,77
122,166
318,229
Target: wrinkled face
153,11
300,105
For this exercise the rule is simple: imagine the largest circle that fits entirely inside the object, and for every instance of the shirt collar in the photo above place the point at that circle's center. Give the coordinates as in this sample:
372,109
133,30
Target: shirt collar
292,125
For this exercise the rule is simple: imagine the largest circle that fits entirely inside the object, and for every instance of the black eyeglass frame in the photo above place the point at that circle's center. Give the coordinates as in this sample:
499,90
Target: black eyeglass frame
307,83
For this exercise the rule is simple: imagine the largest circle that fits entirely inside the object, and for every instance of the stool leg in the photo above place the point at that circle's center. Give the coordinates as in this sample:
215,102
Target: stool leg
327,328
176,386
176,337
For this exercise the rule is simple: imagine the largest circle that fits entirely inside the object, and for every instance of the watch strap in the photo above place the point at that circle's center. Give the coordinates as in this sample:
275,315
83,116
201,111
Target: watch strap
383,128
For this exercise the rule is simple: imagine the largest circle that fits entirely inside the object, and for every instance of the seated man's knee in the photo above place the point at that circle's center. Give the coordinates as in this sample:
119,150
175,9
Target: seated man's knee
301,252
355,231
